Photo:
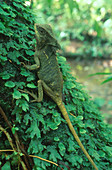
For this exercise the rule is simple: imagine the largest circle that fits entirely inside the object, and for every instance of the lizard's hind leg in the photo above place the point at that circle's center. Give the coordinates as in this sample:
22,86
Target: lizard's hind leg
40,91
38,98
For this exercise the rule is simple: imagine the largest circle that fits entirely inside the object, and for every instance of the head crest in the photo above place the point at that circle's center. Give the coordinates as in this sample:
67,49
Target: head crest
47,28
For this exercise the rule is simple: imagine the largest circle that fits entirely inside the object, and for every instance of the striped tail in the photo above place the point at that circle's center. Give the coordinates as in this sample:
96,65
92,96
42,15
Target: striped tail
65,114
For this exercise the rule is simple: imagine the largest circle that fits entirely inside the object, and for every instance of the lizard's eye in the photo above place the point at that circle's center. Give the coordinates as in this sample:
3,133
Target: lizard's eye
41,31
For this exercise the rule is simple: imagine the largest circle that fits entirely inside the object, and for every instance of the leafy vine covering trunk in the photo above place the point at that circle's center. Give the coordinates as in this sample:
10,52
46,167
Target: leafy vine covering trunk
38,128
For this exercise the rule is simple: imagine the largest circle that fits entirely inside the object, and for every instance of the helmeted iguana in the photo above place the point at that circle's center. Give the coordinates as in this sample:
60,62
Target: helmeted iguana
49,74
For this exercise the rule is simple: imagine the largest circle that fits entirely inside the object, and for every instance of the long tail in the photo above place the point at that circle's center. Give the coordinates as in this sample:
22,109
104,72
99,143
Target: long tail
65,114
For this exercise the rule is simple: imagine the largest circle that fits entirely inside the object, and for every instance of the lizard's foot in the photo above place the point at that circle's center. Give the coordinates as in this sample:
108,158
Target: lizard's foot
31,94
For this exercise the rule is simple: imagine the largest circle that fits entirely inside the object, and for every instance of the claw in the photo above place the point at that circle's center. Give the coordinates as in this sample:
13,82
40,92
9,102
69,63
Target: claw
31,94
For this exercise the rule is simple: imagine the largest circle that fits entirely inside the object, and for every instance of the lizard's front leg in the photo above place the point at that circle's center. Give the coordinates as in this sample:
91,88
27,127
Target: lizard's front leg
34,66
31,67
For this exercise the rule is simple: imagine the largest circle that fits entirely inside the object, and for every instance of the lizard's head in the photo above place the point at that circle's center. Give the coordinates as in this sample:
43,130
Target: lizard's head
44,34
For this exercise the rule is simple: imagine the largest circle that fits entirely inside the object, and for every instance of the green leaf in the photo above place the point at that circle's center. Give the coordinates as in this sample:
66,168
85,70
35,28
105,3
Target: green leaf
71,5
20,84
13,56
34,130
108,149
78,118
25,73
90,125
21,154
52,125
18,6
100,73
70,85
107,80
25,96
56,139
14,129
30,78
23,104
54,155
5,6
6,166
16,94
3,58
62,148
27,119
40,118
72,158
31,85
10,84
6,76
79,159
12,14
98,28
82,131
101,153
29,52
2,12
71,145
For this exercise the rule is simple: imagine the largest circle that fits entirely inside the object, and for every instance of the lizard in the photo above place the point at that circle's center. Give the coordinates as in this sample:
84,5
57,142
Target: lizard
49,74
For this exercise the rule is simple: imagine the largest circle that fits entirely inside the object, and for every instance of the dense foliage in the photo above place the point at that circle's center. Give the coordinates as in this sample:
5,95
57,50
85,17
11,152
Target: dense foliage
40,127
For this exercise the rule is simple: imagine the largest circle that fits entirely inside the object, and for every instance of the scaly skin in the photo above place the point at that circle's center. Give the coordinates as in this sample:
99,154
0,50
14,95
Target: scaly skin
50,77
